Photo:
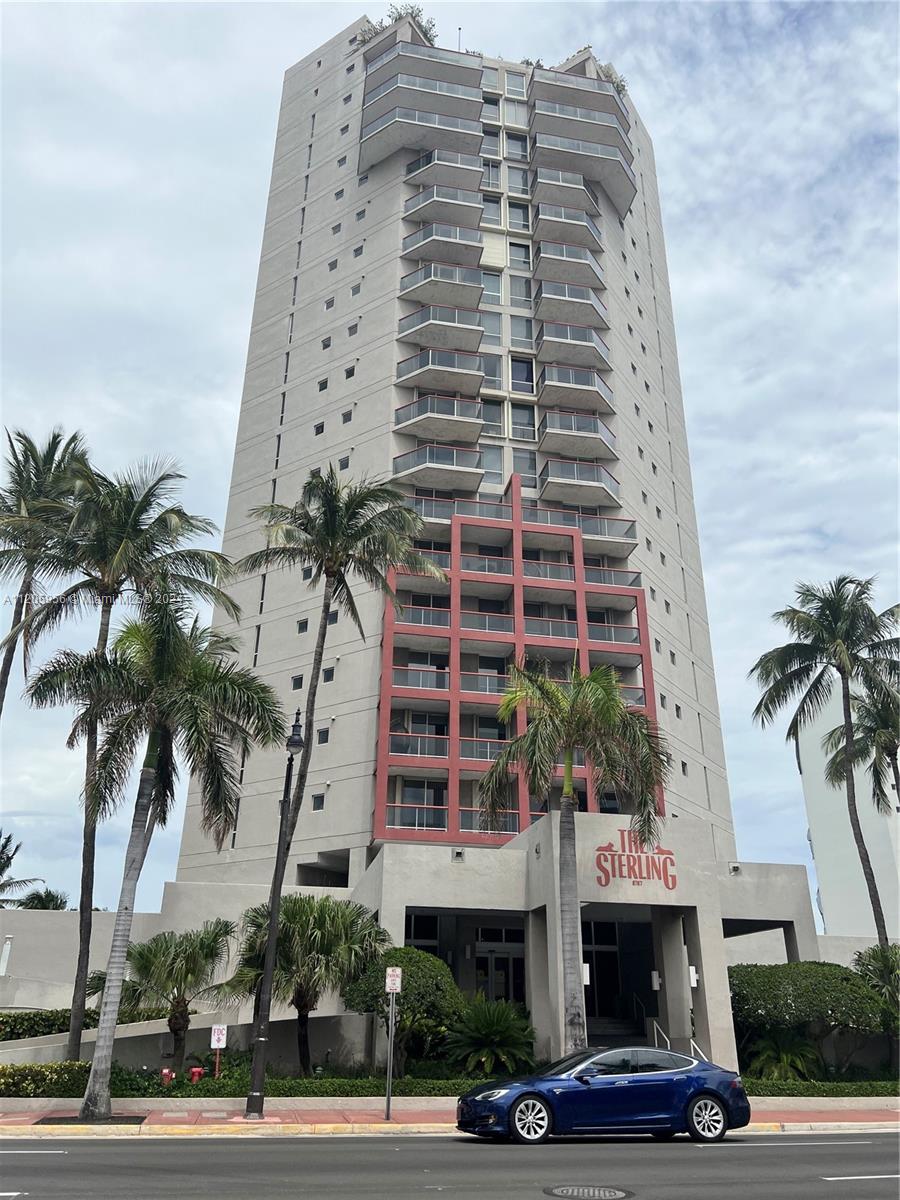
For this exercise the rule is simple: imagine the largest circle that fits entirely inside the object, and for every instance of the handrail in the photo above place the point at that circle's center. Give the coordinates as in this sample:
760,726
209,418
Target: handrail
697,1052
636,1003
658,1032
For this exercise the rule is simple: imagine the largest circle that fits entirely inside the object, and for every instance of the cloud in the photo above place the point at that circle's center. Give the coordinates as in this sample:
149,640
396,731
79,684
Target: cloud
137,147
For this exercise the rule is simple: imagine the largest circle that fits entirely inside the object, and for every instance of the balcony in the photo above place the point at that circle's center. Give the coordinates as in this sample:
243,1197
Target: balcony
612,577
486,622
482,564
568,120
572,482
574,433
416,816
441,419
470,822
551,627
420,92
483,683
447,169
605,165
411,129
634,697
576,386
571,226
438,203
445,243
424,618
450,65
602,535
625,635
440,283
481,749
449,468
567,264
419,745
534,568
439,326
437,514
420,679
569,303
551,187
575,345
442,371
577,89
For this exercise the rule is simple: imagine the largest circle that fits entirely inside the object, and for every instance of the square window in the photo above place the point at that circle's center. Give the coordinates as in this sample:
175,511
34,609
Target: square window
515,84
361,215
316,471
339,194
658,513
342,161
318,428
520,255
652,593
672,658
644,497
329,303
336,228
318,801
326,343
349,70
322,385
678,711
328,675
296,683
348,97
321,736
657,645
303,625
668,606
349,372
356,289
347,417
352,330
517,147
663,702
518,216
491,213
662,557
344,462
362,179
332,616
332,266
684,767
357,251
306,573
345,129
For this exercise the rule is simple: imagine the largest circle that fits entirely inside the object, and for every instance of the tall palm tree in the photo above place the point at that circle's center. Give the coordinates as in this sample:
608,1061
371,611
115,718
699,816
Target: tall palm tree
8,885
39,480
170,687
45,898
837,637
174,970
323,945
876,741
339,532
126,538
627,755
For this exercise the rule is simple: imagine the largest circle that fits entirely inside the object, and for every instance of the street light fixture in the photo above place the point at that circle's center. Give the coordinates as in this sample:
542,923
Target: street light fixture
256,1095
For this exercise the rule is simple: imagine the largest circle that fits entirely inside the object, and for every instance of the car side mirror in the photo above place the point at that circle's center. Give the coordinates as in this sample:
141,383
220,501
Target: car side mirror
586,1074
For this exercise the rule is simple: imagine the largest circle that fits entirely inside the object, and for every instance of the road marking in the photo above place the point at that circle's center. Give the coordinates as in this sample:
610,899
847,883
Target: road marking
834,1178
756,1145
30,1152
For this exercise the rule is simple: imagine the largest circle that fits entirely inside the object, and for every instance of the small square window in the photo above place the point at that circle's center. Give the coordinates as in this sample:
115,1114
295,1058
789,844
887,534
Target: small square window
356,289
646,387
347,417
650,426
332,617
643,497
672,658
329,303
648,543
357,251
657,645
678,711
342,161
296,682
640,311
349,70
344,462
668,606
326,343
361,215
303,625
319,428
352,330
348,97
322,385
631,331
316,471
332,266
362,179
652,593
658,513
349,372
322,736
684,767
339,194
643,348
318,801
633,369
640,452
318,63
345,129
328,675
306,573
663,702
662,557
336,228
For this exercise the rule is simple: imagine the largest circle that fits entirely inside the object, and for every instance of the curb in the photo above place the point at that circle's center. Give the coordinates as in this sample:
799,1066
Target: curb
366,1129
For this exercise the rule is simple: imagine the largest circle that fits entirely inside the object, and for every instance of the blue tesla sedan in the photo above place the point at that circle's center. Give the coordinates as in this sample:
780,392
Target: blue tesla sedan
629,1090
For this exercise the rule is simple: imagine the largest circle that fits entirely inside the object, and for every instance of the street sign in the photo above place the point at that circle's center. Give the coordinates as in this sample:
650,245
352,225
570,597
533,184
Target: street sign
218,1036
393,979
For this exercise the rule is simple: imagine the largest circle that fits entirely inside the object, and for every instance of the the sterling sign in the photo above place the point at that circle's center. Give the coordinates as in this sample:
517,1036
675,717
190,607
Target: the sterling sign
631,860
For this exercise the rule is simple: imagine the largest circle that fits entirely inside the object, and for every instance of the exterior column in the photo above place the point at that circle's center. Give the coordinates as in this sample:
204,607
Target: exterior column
538,993
713,1024
671,963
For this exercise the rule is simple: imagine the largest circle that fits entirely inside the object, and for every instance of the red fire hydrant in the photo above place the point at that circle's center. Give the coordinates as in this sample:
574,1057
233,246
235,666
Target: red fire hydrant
167,1075
197,1074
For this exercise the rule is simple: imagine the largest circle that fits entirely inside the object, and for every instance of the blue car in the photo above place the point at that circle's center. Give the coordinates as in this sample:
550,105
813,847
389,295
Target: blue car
630,1090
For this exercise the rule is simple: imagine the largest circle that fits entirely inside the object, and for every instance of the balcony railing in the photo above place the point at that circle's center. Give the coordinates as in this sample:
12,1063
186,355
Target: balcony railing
571,470
612,577
563,179
580,82
535,569
436,617
483,749
550,141
440,558
439,192
420,83
442,314
438,406
635,696
483,682
550,289
576,377
556,212
455,57
443,272
470,822
486,622
582,334
435,455
449,157
419,745
611,527
413,116
556,250
416,816
485,565
627,634
574,113
448,233
452,359
444,510
552,627
578,423
421,677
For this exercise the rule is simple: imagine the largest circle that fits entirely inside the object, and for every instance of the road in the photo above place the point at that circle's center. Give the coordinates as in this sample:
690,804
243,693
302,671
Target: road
761,1167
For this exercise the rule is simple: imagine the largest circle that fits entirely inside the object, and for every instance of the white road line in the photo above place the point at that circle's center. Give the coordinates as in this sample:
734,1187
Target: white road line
756,1145
834,1178
32,1152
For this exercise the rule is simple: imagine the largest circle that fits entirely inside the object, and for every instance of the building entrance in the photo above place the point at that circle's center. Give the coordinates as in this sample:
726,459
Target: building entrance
600,954
500,963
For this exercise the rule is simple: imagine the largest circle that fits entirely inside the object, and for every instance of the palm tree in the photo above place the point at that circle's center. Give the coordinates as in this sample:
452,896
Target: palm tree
126,536
44,898
323,945
39,480
837,636
171,688
876,741
336,531
8,885
627,755
173,970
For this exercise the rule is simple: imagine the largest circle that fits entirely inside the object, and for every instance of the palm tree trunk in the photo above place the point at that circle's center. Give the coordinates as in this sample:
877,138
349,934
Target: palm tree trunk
304,1059
865,862
179,1023
895,771
9,652
96,1104
88,854
287,825
574,1032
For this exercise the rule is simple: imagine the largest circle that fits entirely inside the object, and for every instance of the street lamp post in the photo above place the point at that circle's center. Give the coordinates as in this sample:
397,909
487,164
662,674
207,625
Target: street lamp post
256,1096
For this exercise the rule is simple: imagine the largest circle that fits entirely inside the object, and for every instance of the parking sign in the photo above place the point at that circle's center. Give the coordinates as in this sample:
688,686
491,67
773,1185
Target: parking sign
217,1037
393,980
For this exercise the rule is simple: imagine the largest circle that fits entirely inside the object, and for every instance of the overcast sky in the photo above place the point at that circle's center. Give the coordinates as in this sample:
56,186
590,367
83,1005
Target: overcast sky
137,142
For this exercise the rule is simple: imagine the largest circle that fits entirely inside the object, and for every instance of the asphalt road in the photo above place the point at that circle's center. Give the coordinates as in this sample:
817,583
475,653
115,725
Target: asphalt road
761,1167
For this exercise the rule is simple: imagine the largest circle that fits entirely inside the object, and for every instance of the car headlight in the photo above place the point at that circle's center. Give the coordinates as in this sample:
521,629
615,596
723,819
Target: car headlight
493,1094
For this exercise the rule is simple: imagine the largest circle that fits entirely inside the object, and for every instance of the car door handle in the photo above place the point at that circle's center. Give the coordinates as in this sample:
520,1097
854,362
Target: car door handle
622,1082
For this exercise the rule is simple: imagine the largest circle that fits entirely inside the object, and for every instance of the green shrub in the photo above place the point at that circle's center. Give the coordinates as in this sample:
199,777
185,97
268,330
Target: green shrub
784,1054
879,966
492,1035
15,1025
815,1087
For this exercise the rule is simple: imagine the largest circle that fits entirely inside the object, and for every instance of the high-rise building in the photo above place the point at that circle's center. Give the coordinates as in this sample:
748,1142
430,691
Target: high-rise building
463,287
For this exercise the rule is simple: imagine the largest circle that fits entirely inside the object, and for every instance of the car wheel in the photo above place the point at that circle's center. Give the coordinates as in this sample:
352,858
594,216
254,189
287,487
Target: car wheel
529,1121
664,1135
706,1119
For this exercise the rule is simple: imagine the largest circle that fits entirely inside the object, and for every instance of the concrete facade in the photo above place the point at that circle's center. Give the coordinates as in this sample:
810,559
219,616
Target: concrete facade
463,286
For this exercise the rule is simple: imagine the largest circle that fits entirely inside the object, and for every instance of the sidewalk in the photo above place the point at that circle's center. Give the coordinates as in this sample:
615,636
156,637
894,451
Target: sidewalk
365,1115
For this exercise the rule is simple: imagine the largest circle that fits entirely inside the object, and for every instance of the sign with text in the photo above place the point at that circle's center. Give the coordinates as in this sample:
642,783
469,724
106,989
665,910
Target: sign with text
218,1035
632,860
393,980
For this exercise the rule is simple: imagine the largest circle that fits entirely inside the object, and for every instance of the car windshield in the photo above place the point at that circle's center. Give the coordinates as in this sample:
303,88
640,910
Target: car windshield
563,1065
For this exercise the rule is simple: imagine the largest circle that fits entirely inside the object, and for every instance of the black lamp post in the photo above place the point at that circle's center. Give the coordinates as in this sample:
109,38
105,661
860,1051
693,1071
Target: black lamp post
256,1097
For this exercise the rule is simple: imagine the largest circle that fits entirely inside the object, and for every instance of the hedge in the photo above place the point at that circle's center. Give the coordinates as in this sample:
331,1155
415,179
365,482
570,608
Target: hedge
15,1025
791,995
813,1087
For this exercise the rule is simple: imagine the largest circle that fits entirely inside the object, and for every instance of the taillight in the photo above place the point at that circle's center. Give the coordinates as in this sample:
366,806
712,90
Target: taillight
737,1084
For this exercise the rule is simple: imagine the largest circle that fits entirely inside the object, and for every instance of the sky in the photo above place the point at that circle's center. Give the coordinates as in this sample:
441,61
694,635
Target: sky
137,142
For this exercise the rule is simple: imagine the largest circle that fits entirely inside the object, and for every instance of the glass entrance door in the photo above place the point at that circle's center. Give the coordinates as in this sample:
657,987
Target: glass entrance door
500,975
